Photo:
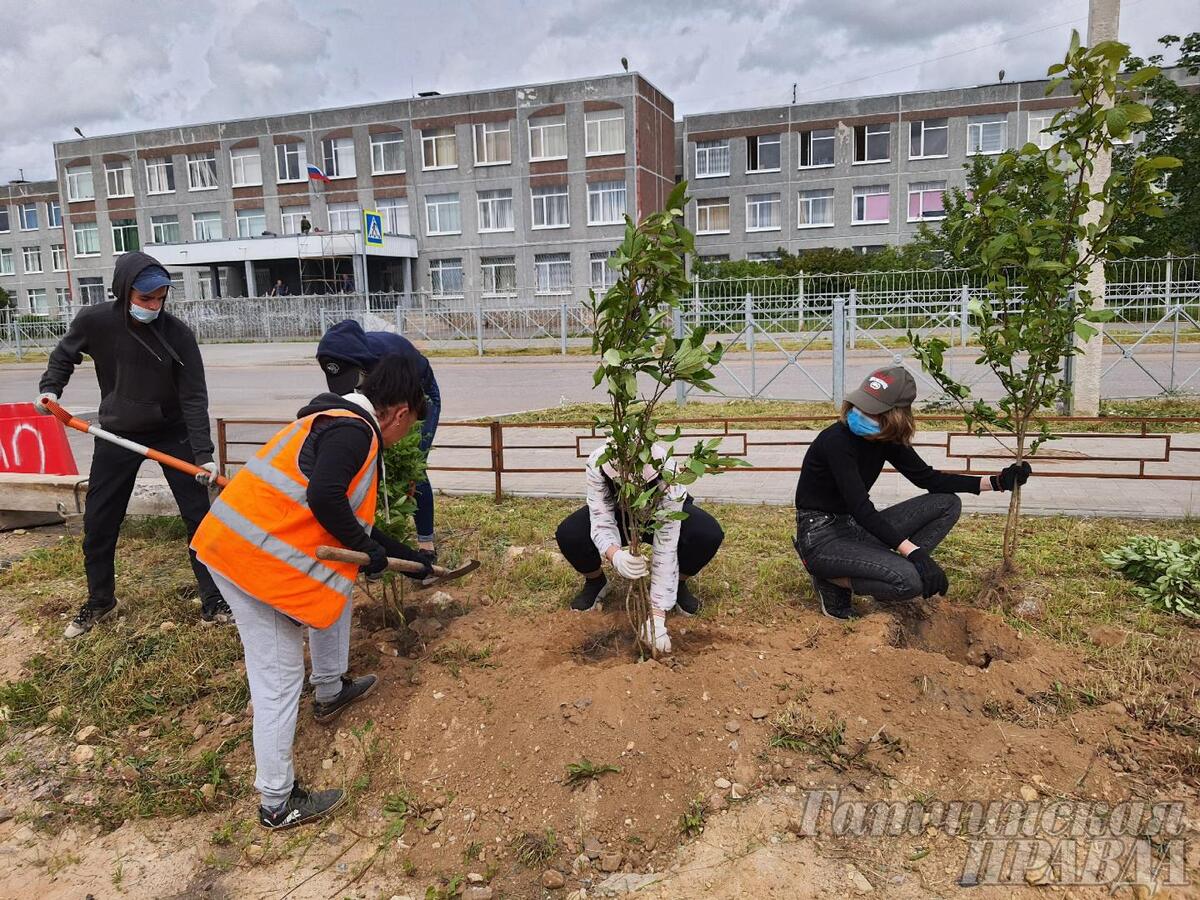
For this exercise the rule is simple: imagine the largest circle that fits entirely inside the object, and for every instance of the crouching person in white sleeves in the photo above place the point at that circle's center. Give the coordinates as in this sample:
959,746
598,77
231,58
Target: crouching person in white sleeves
681,548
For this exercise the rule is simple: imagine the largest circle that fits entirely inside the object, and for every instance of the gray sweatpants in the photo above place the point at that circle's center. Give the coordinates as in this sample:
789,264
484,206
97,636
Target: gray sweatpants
274,646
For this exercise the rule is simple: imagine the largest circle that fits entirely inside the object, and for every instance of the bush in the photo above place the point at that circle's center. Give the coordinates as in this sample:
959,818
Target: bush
1166,572
403,469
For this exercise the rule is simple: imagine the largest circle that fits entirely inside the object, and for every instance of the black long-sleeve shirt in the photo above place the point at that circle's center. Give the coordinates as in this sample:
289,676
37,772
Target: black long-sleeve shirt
840,468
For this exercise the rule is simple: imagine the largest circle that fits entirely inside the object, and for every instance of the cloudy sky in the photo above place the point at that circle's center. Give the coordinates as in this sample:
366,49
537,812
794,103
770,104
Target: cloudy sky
105,68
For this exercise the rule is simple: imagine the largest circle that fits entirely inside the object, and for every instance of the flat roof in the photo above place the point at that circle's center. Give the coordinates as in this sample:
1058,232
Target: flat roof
324,245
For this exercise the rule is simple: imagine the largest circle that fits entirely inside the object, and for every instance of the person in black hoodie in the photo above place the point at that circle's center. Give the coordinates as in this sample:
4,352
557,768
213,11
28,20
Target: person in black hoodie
846,544
152,391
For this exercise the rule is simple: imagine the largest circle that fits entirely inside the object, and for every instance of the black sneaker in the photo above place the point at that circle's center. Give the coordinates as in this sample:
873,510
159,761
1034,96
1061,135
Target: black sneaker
593,591
686,602
353,690
301,808
217,614
835,599
88,616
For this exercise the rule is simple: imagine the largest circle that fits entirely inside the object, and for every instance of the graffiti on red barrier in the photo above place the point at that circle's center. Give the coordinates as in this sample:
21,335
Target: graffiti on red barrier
33,443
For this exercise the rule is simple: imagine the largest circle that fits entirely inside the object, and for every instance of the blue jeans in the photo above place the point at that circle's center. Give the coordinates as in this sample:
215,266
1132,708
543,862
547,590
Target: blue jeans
836,546
423,517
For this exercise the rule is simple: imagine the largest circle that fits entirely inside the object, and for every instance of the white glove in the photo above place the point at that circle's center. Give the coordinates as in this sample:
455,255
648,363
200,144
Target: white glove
39,403
654,632
209,476
630,566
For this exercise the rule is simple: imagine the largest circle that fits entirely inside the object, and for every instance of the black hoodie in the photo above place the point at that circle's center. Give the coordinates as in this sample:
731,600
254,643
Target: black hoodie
151,375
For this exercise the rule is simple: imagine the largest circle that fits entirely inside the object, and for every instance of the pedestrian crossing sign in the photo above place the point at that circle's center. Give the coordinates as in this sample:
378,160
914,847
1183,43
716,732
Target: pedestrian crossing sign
372,228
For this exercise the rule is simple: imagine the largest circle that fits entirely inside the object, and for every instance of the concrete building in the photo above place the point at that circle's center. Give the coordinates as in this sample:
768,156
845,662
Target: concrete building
33,257
511,191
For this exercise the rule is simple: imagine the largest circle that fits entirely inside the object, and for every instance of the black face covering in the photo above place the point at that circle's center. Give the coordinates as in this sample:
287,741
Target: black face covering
342,377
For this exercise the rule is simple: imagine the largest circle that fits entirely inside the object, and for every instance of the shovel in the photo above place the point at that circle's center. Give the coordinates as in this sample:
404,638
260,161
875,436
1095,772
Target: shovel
149,452
339,554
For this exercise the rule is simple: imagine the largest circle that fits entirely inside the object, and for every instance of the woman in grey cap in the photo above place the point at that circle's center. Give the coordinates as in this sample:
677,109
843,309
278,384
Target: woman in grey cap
846,544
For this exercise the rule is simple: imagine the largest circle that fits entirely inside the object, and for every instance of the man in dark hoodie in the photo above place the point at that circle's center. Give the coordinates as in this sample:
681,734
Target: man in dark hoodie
346,355
314,484
152,391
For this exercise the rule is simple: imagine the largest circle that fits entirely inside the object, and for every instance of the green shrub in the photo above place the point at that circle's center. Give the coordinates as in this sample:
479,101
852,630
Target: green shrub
1166,572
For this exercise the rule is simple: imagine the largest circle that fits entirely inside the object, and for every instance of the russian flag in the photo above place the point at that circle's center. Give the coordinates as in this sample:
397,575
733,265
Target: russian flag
315,174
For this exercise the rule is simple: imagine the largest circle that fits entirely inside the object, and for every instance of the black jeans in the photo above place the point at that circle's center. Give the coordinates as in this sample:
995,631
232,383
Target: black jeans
110,485
700,536
838,547
423,517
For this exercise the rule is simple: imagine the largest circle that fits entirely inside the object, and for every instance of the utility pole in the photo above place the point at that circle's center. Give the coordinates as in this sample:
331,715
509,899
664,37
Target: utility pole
1103,20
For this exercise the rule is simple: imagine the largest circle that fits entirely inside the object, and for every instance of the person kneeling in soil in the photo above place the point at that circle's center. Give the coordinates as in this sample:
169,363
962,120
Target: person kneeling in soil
846,544
313,483
681,548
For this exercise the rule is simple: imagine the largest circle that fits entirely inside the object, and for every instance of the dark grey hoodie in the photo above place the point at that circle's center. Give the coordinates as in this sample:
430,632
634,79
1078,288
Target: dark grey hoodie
151,375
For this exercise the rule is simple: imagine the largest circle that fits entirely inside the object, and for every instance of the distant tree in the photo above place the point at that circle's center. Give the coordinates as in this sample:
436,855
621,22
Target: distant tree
5,299
819,261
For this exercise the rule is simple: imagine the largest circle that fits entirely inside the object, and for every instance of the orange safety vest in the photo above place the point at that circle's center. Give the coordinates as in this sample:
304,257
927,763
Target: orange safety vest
262,536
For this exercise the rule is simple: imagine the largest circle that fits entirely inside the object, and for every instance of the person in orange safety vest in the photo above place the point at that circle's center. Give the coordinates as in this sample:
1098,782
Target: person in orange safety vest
313,483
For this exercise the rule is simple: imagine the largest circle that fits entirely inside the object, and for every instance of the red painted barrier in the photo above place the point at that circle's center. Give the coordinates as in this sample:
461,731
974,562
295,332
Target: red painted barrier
33,443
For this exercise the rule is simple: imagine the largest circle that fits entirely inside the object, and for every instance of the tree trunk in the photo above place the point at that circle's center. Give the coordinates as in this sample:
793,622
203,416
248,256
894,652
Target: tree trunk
1012,523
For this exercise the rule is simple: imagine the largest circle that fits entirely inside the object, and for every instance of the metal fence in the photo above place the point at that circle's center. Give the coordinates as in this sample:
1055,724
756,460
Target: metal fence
782,331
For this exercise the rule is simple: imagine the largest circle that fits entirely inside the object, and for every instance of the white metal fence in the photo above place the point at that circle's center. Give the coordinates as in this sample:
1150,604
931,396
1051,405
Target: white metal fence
782,330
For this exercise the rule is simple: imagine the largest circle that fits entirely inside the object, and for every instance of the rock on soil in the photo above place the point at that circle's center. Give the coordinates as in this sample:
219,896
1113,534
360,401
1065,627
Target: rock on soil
552,879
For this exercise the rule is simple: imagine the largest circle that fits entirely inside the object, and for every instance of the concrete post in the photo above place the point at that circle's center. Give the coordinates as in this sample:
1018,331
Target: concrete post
800,302
562,324
1174,313
251,284
406,267
839,352
964,315
850,320
479,324
748,315
1103,20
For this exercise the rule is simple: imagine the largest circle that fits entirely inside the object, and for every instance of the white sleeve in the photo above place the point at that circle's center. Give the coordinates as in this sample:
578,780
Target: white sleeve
602,507
664,570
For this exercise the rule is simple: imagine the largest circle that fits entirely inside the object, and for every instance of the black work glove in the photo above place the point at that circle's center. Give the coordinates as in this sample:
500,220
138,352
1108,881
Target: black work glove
933,577
1011,476
397,550
378,562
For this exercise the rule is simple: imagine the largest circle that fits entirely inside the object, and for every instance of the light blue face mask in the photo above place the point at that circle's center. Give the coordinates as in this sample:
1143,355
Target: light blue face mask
145,316
861,424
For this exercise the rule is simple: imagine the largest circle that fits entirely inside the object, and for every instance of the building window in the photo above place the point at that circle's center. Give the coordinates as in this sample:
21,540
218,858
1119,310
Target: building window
206,226
7,266
551,207
87,238
928,138
5,227
202,171
604,276
27,217
606,203
985,135
165,230
925,200
712,216
763,256
552,273
498,275
53,215
291,216
817,148
58,257
337,154
395,215
871,205
547,138
35,299
118,178
442,214
125,236
79,183
815,209
871,143
493,144
345,217
446,277
246,165
62,298
496,210
604,132
160,176
762,153
762,212
31,259
713,258
712,158
1040,132
439,149
91,290
387,153
251,222
291,162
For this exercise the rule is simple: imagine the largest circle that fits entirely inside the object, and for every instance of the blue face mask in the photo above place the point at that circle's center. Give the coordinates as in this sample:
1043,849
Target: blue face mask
861,424
145,316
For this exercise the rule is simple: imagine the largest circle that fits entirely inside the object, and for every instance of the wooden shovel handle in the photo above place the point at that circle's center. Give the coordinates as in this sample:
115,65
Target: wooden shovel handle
340,554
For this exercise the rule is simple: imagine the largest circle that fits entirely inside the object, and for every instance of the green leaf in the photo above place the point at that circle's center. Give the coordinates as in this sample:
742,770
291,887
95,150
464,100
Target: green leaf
1085,331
